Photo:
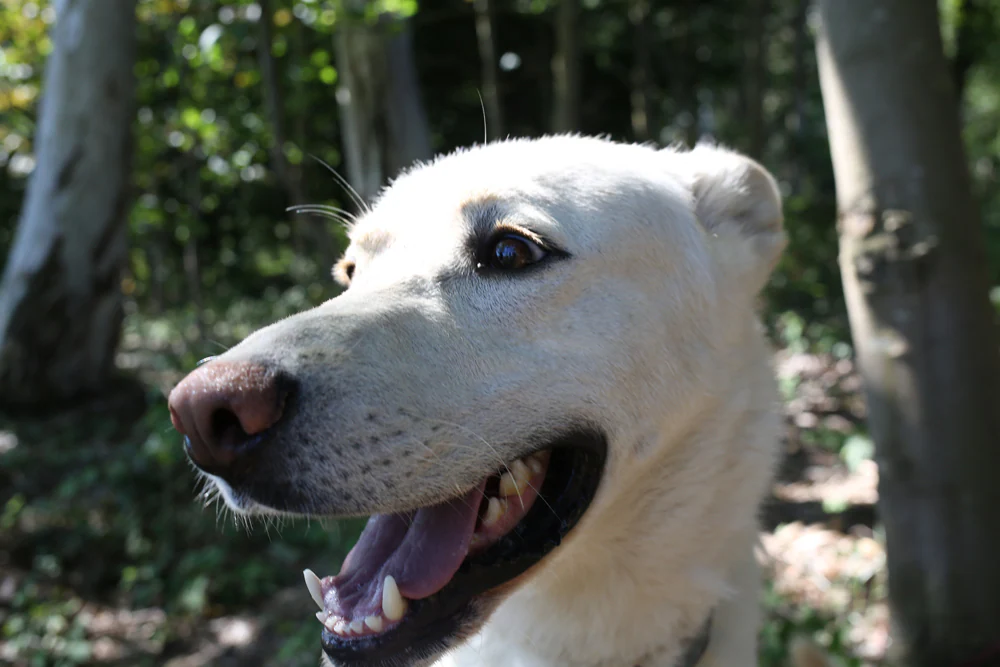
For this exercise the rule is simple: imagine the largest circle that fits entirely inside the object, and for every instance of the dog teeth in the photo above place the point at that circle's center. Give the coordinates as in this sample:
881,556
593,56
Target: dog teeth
314,586
357,627
535,465
508,486
520,471
496,508
394,607
393,603
516,479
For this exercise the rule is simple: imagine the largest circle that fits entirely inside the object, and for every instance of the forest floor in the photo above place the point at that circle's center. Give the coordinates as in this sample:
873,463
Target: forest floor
95,585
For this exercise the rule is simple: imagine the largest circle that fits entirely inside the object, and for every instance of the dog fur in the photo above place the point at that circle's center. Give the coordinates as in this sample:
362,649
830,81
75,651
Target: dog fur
424,375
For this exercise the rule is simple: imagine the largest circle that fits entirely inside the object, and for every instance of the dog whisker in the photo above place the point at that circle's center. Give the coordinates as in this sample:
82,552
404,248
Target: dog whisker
327,208
358,200
493,449
331,213
222,346
475,435
486,132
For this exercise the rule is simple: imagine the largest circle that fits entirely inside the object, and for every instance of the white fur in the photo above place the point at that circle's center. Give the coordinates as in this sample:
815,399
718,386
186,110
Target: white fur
647,330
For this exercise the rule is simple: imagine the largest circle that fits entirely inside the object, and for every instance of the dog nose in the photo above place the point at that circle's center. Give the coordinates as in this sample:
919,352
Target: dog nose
224,409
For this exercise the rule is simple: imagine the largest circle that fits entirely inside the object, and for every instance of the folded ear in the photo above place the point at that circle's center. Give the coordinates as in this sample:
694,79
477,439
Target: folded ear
736,199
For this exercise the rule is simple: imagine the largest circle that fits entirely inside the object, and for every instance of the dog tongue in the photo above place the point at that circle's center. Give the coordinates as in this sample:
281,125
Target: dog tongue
421,550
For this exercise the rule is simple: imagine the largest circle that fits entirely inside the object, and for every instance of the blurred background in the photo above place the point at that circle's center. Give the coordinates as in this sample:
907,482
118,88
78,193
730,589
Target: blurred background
106,554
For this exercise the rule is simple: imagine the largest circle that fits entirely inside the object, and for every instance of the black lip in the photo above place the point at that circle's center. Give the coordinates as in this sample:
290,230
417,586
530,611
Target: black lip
431,625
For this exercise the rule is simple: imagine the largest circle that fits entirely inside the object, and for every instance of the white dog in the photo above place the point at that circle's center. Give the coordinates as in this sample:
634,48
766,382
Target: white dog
547,384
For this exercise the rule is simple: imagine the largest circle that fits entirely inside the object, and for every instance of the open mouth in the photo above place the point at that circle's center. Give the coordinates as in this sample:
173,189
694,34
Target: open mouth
411,582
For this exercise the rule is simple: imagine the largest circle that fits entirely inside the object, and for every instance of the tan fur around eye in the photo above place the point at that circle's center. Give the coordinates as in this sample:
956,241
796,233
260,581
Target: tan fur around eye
342,272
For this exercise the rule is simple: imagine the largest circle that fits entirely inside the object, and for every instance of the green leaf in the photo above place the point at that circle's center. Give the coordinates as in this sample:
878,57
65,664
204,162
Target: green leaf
856,450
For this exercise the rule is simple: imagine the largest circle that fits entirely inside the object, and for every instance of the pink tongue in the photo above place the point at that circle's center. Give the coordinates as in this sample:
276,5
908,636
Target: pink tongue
421,550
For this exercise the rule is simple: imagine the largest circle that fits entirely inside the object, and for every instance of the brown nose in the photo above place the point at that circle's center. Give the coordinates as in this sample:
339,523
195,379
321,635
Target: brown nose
224,409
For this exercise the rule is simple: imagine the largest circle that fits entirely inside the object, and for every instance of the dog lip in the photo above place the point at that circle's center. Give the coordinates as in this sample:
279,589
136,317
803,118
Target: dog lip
432,624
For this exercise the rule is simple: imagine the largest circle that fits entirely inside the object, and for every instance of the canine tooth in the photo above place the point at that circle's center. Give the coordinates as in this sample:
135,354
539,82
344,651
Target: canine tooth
393,604
321,616
314,586
358,626
494,510
521,472
375,623
509,486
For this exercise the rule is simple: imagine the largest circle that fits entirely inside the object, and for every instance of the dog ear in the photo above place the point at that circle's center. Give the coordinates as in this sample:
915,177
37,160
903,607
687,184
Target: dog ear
734,195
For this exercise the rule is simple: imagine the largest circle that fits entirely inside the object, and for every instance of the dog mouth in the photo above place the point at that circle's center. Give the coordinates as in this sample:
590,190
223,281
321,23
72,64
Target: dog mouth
415,580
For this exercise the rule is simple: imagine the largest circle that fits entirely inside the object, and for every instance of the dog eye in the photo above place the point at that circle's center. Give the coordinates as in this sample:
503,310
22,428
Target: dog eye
513,251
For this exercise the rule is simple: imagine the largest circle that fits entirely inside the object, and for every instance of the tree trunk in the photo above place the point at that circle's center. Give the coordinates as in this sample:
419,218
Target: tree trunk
60,298
973,38
566,68
755,50
485,37
384,126
800,82
641,79
157,270
684,80
409,132
359,105
308,237
915,280
192,267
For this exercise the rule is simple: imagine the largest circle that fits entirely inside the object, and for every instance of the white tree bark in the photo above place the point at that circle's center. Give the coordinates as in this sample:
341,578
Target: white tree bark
358,63
60,301
382,119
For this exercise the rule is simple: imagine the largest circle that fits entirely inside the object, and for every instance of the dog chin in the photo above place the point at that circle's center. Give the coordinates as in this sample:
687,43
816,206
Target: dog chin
422,652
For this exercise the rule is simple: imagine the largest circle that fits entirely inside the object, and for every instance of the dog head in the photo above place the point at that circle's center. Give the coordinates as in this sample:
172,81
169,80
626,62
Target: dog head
517,319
